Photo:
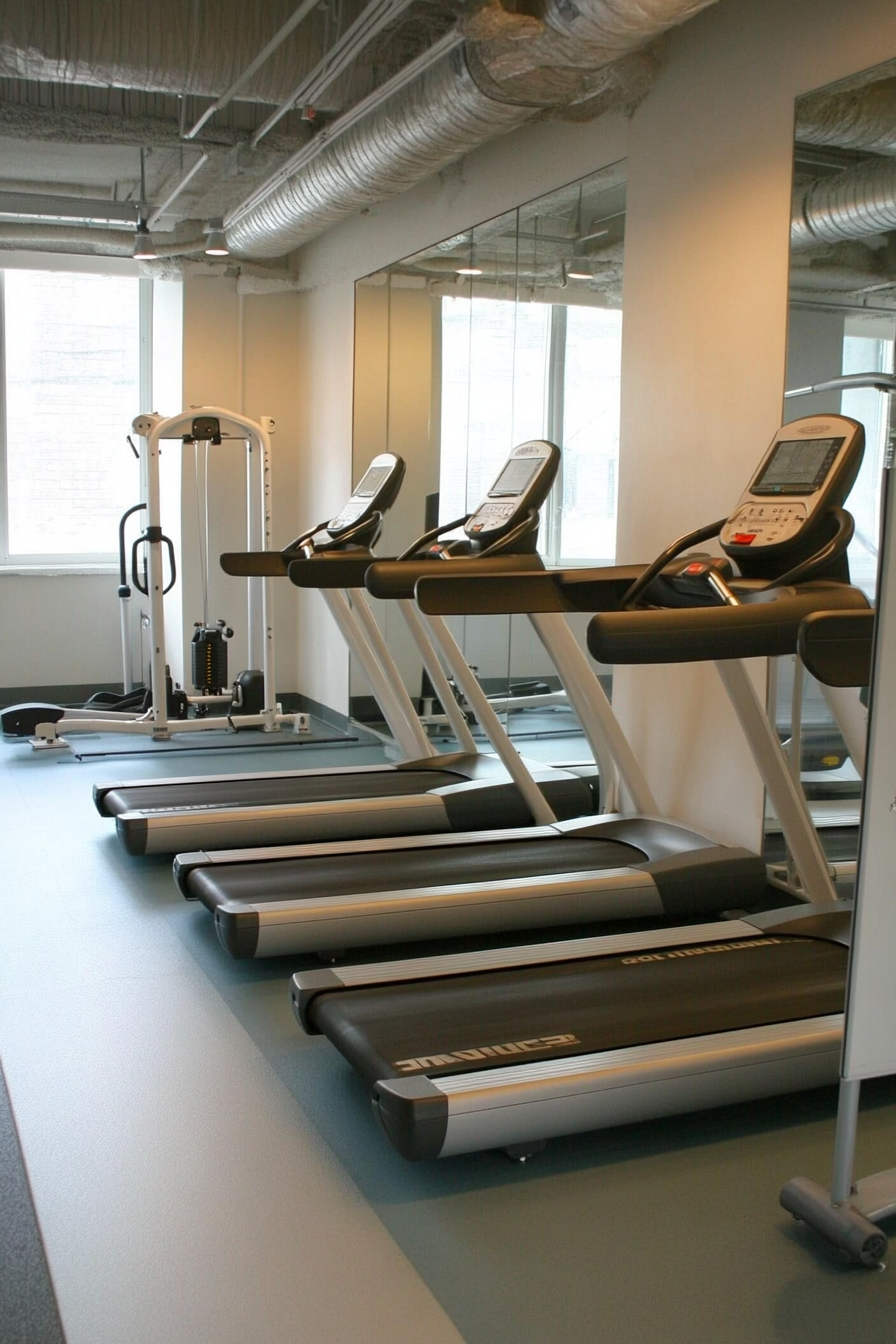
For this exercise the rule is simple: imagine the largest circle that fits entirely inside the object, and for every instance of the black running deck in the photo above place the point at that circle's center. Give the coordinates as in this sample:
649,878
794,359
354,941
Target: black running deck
605,1003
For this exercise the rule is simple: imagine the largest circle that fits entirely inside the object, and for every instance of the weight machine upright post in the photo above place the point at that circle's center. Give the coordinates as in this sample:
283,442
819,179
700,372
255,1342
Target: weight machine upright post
149,428
267,590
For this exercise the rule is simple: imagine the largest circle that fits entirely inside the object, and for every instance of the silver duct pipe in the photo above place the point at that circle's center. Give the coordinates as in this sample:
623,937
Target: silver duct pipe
439,118
853,204
468,98
863,118
90,241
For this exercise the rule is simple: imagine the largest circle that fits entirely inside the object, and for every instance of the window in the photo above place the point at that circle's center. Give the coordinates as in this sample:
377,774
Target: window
513,371
71,366
866,350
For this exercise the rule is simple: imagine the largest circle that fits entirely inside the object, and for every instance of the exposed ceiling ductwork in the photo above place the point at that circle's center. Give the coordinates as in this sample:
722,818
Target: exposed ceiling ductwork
843,223
505,68
858,202
523,66
228,134
861,117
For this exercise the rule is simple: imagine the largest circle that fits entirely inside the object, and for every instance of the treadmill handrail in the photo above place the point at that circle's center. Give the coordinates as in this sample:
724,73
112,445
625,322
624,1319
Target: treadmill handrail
836,648
491,593
398,578
755,629
331,569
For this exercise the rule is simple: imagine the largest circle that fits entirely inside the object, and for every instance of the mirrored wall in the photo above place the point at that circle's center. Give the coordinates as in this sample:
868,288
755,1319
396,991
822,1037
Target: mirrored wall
508,331
842,331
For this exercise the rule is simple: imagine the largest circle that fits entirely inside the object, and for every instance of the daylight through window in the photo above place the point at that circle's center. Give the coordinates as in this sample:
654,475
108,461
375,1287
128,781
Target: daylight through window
71,367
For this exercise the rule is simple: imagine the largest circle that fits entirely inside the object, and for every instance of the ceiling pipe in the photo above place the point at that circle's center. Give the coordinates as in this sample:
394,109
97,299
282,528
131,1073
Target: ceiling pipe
368,25
856,203
267,51
463,100
96,241
325,138
180,186
863,118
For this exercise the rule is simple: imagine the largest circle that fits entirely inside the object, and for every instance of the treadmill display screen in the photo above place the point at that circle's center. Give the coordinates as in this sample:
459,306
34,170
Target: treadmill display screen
371,482
797,467
515,476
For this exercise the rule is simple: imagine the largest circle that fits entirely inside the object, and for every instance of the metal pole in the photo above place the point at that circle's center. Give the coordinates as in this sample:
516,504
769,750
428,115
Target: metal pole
845,1140
378,644
489,722
434,670
787,798
345,618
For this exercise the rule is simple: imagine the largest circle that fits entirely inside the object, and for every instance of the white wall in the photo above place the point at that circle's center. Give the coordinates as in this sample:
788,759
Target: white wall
59,630
324,397
241,353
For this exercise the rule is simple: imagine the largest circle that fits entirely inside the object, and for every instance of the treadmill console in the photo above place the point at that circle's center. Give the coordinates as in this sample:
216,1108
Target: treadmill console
375,493
522,484
809,469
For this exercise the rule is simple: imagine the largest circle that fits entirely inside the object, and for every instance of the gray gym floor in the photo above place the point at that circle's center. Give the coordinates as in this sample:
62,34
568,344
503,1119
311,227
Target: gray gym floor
204,1174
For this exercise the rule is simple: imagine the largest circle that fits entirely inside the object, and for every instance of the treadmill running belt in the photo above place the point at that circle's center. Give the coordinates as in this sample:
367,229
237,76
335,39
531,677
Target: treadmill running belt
489,1019
276,791
387,870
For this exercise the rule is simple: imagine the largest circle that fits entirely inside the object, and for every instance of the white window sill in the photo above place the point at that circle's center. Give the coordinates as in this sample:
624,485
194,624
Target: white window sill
52,570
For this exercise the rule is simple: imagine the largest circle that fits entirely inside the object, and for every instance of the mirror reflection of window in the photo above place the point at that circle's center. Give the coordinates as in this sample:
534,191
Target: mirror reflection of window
495,362
531,348
867,348
507,331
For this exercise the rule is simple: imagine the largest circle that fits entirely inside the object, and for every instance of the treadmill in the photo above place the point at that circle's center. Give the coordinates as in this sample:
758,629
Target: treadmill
327,898
429,791
507,1048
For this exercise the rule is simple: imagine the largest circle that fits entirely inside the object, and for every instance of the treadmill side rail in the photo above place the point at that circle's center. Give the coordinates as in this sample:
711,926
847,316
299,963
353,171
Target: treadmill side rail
365,919
529,1103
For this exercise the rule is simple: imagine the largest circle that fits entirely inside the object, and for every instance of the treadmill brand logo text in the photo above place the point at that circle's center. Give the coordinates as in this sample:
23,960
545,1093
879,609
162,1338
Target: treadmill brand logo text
486,1052
702,950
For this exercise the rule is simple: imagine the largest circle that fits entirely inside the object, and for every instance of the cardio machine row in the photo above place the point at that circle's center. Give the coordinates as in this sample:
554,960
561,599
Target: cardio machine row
330,897
508,1048
787,537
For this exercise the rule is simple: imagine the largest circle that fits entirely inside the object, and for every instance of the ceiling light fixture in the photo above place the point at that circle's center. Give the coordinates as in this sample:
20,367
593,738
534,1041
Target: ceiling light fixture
579,275
216,243
143,245
468,270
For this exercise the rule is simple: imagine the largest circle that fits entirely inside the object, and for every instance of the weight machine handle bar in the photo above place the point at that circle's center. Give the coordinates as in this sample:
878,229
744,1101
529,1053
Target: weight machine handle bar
135,579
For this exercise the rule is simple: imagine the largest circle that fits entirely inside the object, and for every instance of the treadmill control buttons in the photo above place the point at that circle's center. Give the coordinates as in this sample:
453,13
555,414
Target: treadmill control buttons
764,524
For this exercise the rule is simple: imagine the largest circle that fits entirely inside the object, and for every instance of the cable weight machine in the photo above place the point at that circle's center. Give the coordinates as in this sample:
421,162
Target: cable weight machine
170,710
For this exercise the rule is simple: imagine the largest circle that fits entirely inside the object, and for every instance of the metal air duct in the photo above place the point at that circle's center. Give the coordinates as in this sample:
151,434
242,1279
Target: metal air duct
856,203
467,98
863,118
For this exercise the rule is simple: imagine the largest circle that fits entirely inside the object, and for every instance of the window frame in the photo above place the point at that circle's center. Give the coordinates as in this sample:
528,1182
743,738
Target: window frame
81,562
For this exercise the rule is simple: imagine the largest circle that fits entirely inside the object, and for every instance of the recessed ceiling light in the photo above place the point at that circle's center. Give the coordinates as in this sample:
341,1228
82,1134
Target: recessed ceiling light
468,270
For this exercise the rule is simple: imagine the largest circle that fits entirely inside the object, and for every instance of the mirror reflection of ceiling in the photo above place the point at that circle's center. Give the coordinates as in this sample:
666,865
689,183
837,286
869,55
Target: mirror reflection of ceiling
570,240
843,226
